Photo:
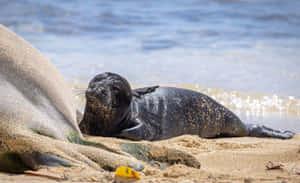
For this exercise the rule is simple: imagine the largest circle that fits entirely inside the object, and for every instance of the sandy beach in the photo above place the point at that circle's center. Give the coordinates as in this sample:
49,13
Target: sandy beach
222,160
242,53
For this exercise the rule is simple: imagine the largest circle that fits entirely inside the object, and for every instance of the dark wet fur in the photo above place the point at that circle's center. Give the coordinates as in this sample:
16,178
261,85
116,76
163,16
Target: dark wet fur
156,113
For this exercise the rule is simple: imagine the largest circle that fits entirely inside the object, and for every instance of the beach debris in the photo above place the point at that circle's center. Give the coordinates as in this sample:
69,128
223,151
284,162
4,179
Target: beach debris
93,179
157,164
273,165
297,171
45,174
126,173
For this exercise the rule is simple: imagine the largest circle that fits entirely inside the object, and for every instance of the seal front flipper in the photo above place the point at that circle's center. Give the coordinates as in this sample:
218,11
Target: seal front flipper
138,132
263,131
142,91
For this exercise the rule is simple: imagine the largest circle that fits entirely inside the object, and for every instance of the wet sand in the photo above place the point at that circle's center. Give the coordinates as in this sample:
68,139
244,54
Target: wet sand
222,160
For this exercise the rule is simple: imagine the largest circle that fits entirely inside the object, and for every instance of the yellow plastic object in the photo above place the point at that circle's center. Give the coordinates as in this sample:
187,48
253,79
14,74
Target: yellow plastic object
93,179
126,172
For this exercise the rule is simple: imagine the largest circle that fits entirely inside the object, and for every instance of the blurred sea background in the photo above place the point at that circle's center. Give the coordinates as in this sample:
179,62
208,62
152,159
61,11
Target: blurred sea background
243,53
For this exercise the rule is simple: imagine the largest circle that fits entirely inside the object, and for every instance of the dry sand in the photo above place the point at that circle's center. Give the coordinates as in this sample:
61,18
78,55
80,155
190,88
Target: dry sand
222,160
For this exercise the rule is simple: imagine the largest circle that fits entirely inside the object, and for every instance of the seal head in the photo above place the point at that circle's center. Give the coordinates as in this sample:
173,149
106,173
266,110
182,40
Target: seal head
108,103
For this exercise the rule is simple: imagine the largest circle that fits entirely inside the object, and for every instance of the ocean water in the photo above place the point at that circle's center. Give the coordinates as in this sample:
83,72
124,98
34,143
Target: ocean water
243,53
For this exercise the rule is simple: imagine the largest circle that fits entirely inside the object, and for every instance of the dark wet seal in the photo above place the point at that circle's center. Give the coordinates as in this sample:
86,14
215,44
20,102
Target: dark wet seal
157,113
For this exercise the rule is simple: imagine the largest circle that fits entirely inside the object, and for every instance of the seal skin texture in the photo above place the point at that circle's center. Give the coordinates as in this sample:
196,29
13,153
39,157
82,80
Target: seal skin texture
157,113
37,115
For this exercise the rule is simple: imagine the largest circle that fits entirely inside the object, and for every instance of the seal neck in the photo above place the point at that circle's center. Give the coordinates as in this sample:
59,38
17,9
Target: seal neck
94,123
125,122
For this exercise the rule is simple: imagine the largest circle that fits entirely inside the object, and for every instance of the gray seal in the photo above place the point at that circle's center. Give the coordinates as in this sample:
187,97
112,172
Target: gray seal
156,113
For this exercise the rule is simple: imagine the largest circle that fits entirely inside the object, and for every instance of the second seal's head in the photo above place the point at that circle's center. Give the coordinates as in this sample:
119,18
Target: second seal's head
108,99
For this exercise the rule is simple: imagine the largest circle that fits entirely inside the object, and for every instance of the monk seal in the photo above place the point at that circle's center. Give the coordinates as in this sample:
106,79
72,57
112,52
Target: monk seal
157,113
38,116
38,124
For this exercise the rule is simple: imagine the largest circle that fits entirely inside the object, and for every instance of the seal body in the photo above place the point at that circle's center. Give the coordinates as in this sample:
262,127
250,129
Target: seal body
168,112
156,113
38,115
34,95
